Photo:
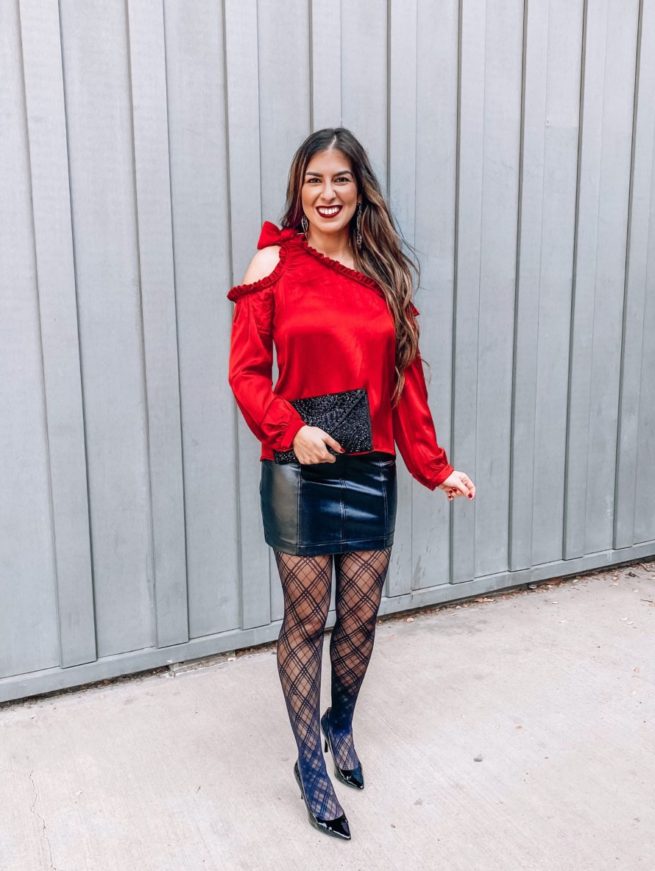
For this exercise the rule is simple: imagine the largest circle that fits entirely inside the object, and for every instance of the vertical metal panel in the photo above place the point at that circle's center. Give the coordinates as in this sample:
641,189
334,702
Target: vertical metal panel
155,238
98,113
612,216
487,199
27,561
472,456
283,64
499,195
638,380
635,517
325,35
605,151
196,79
143,145
547,209
55,276
435,194
364,77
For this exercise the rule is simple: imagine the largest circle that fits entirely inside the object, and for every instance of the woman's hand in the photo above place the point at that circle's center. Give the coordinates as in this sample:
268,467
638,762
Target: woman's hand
458,484
309,445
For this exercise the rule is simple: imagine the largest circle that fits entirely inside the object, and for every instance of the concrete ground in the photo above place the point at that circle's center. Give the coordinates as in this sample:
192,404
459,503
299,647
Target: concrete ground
514,731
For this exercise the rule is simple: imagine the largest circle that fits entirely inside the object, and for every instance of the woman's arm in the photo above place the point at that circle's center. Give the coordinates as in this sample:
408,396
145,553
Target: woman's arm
272,419
414,430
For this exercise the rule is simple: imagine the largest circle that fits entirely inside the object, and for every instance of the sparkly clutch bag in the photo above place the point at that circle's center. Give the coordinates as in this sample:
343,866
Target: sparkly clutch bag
344,415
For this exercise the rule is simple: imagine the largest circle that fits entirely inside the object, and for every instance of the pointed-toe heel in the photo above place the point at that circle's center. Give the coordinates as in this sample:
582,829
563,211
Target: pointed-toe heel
349,776
337,827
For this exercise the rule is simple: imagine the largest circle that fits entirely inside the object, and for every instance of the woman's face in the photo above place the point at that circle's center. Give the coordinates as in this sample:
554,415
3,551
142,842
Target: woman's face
329,191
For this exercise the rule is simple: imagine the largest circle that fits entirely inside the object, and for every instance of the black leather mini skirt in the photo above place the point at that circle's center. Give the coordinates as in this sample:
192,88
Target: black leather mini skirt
316,508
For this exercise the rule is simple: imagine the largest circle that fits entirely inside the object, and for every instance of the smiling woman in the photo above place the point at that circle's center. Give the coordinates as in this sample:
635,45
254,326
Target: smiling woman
331,291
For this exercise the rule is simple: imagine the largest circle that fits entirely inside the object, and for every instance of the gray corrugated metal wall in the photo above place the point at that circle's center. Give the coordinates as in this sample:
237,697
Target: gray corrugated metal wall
142,145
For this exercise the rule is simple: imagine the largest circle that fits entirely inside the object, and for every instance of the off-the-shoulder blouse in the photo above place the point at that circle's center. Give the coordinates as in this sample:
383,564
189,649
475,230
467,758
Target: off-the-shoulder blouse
332,330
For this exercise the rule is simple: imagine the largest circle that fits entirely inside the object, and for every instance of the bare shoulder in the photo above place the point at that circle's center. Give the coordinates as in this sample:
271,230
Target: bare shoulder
262,264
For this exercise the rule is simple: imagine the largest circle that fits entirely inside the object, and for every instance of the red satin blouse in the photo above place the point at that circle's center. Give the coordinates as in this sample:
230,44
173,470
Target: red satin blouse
332,331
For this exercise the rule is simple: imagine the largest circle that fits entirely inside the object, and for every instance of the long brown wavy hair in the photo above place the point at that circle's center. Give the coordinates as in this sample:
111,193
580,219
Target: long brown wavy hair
381,254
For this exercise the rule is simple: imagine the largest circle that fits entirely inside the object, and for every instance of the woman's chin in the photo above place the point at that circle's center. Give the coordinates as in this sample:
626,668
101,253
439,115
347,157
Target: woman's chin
327,226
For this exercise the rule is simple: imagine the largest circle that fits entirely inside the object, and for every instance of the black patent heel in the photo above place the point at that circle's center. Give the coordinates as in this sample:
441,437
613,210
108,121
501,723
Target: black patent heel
337,827
349,776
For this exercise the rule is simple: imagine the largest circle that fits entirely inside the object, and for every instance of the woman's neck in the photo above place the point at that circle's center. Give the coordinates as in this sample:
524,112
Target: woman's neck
333,245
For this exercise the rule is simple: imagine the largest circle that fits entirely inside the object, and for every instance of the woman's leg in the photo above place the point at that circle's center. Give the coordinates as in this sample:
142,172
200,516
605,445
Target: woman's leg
360,577
306,584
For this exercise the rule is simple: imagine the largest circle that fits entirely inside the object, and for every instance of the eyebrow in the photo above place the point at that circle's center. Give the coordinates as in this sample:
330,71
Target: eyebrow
341,172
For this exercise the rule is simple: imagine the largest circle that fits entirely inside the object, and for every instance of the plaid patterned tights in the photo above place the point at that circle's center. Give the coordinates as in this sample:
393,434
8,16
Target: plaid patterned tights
306,584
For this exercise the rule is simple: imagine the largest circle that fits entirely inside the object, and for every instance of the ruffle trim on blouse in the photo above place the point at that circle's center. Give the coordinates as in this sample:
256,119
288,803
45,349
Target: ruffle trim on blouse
235,293
355,274
270,235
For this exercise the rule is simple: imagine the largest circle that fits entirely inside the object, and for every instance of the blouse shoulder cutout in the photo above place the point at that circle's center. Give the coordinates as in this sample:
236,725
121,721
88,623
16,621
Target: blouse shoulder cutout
270,235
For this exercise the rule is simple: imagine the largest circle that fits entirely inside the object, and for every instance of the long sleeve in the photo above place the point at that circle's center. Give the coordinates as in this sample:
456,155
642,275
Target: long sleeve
414,431
272,419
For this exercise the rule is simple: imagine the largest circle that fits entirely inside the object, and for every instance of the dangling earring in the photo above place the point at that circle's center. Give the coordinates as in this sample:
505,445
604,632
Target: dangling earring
358,226
305,224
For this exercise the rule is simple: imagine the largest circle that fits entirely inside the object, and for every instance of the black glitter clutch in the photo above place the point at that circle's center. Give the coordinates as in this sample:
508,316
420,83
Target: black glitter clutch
344,415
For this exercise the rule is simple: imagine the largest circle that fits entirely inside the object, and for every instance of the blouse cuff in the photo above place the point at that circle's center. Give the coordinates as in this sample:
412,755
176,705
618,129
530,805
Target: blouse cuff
443,473
290,432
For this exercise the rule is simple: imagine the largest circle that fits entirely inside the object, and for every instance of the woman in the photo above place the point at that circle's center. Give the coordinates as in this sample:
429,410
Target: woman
331,290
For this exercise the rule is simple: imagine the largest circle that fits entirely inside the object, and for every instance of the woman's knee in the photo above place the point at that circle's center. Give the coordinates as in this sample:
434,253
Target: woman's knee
313,624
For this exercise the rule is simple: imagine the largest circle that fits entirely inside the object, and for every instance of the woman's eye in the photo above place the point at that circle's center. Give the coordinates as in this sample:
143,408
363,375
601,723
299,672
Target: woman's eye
341,178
